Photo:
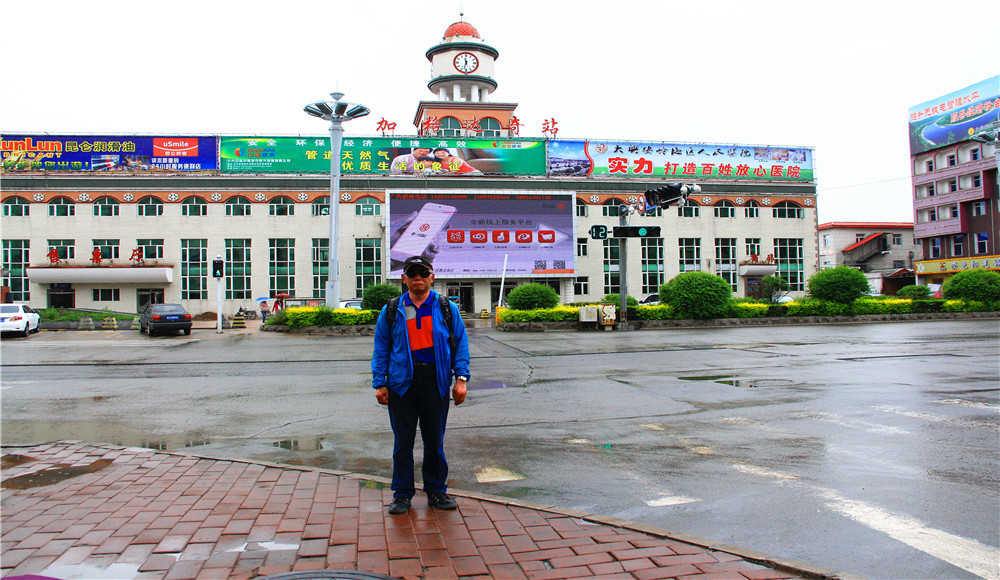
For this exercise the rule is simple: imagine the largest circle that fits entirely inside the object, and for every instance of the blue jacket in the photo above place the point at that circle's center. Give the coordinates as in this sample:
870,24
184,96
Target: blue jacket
392,364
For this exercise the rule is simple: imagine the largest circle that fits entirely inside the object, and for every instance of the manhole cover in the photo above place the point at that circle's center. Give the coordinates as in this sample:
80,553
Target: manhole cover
327,575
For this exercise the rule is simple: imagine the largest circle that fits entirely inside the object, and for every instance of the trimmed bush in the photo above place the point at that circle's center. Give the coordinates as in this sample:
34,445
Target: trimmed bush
913,291
657,312
301,317
980,285
750,309
842,285
557,314
376,296
532,297
617,299
817,308
699,295
882,306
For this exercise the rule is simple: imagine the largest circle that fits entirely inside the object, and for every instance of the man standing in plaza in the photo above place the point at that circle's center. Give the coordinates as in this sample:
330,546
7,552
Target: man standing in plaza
419,349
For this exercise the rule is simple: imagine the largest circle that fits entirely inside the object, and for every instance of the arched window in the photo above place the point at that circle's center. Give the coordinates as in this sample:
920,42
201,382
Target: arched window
725,209
367,206
238,206
752,209
689,209
581,208
450,127
281,205
62,206
321,205
150,206
789,210
611,207
16,207
491,127
106,206
194,205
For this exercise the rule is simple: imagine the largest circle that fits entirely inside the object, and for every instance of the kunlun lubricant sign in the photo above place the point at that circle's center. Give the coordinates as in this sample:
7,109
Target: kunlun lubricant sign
384,155
468,234
956,116
97,153
680,161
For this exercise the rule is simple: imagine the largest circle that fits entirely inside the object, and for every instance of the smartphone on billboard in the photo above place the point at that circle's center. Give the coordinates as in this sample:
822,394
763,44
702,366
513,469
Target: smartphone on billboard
428,223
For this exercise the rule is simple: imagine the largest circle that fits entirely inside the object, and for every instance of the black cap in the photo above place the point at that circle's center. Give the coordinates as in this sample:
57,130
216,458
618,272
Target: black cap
417,261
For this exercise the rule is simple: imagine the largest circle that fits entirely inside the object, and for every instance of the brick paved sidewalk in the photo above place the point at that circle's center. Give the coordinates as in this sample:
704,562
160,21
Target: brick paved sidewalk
75,510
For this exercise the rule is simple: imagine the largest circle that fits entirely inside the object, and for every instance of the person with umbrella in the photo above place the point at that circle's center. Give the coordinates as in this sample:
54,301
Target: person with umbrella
264,310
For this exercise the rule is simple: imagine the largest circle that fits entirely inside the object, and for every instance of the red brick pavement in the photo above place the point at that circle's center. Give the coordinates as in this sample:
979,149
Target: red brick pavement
155,515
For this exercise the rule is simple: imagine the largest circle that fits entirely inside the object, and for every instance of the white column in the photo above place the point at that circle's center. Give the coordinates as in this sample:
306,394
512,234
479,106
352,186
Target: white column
456,91
475,94
442,93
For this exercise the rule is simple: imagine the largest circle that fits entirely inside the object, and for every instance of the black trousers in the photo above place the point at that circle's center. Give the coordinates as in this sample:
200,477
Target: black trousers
421,405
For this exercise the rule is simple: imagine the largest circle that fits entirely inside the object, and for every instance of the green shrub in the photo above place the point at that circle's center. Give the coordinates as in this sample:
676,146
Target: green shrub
772,287
814,307
842,285
750,309
375,296
617,299
557,314
532,296
913,291
921,306
300,317
699,295
67,315
657,312
980,285
882,306
665,292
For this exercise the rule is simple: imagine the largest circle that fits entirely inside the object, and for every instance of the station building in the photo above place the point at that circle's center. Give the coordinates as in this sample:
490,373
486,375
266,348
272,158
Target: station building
116,221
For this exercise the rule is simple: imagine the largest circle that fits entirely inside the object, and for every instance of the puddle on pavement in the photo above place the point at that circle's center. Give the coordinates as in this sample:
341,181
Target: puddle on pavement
12,459
739,383
491,385
372,484
705,378
117,571
56,474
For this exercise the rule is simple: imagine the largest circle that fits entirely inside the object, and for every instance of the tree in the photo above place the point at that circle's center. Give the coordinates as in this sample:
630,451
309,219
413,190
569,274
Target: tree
378,295
842,284
532,296
771,287
981,285
913,291
617,299
698,295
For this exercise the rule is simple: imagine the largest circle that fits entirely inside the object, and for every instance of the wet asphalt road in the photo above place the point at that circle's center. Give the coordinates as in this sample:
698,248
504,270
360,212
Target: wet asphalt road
872,449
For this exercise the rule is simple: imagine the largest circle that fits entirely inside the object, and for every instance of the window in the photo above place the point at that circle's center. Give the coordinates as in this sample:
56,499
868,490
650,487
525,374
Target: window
930,165
952,185
652,264
859,237
954,211
753,246
194,206
281,265
367,263
238,268
725,261
611,208
974,154
930,190
689,209
62,207
65,249
897,239
789,259
952,160
690,254
977,180
898,263
150,206
581,208
725,209
108,248
281,205
581,286
612,265
15,263
150,249
752,209
450,127
581,246
932,215
106,295
788,210
321,205
982,243
367,206
490,127
16,207
935,247
958,245
826,240
194,269
320,265
978,208
106,206
237,206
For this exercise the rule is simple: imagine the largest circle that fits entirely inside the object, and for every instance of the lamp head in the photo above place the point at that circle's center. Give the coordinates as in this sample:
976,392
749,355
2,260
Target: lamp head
313,110
358,111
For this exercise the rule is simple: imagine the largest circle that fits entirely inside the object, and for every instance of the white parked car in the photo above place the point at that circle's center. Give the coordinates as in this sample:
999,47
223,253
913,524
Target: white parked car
352,303
18,318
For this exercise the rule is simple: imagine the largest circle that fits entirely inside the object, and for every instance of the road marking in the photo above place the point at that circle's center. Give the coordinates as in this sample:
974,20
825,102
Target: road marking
851,423
667,500
102,342
693,447
971,404
937,418
578,441
762,471
653,426
496,475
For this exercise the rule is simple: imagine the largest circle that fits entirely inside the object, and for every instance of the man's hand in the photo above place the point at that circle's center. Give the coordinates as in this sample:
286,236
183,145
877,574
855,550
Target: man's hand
458,391
382,395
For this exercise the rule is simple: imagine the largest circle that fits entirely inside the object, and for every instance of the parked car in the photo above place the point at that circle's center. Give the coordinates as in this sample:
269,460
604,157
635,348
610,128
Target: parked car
164,318
18,318
651,300
352,303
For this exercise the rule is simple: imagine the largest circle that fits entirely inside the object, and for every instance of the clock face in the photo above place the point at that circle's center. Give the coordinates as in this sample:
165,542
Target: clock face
466,62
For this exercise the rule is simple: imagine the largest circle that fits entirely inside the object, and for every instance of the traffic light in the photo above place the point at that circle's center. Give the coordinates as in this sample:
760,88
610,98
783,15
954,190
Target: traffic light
217,269
599,232
636,232
670,194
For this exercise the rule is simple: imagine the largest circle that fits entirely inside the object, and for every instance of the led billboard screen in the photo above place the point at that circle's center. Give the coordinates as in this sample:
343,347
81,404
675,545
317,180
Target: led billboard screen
956,116
107,153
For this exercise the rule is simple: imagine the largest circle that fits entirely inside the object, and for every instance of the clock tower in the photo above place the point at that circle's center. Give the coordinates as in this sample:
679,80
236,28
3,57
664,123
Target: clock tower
462,78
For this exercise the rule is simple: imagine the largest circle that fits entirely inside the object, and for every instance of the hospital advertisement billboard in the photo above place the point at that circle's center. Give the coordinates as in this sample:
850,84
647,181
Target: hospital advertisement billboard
470,234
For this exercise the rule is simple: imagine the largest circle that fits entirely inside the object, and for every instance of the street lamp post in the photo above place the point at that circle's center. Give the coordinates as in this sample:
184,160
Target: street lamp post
335,111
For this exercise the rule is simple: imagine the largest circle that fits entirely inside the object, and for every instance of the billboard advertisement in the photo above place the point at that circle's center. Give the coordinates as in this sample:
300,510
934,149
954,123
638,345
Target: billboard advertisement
956,116
469,234
384,156
680,161
100,153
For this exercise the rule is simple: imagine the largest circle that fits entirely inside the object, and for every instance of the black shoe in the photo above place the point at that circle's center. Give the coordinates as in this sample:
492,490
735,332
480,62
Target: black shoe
441,501
399,505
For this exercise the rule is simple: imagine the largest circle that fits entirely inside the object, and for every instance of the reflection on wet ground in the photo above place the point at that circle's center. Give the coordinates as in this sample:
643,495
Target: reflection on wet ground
59,473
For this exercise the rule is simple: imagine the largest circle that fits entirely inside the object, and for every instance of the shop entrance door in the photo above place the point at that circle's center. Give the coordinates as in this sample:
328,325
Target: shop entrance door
144,296
61,296
461,293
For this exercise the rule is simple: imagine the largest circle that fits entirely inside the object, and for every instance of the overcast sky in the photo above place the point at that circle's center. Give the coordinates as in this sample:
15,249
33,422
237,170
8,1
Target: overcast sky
836,75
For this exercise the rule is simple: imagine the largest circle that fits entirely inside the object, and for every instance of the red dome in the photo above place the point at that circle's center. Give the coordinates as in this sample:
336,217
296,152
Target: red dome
461,29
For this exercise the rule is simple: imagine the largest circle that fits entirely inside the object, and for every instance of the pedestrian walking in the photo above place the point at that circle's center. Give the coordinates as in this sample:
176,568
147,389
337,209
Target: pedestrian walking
264,311
420,348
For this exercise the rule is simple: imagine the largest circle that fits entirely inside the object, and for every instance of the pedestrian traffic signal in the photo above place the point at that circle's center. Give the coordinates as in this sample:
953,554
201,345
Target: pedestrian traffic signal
217,269
599,232
670,194
637,231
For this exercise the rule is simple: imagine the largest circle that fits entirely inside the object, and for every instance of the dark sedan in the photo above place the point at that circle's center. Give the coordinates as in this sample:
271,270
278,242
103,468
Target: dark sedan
163,318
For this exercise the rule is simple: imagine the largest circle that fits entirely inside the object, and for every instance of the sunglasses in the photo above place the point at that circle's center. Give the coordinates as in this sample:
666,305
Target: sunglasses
417,272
